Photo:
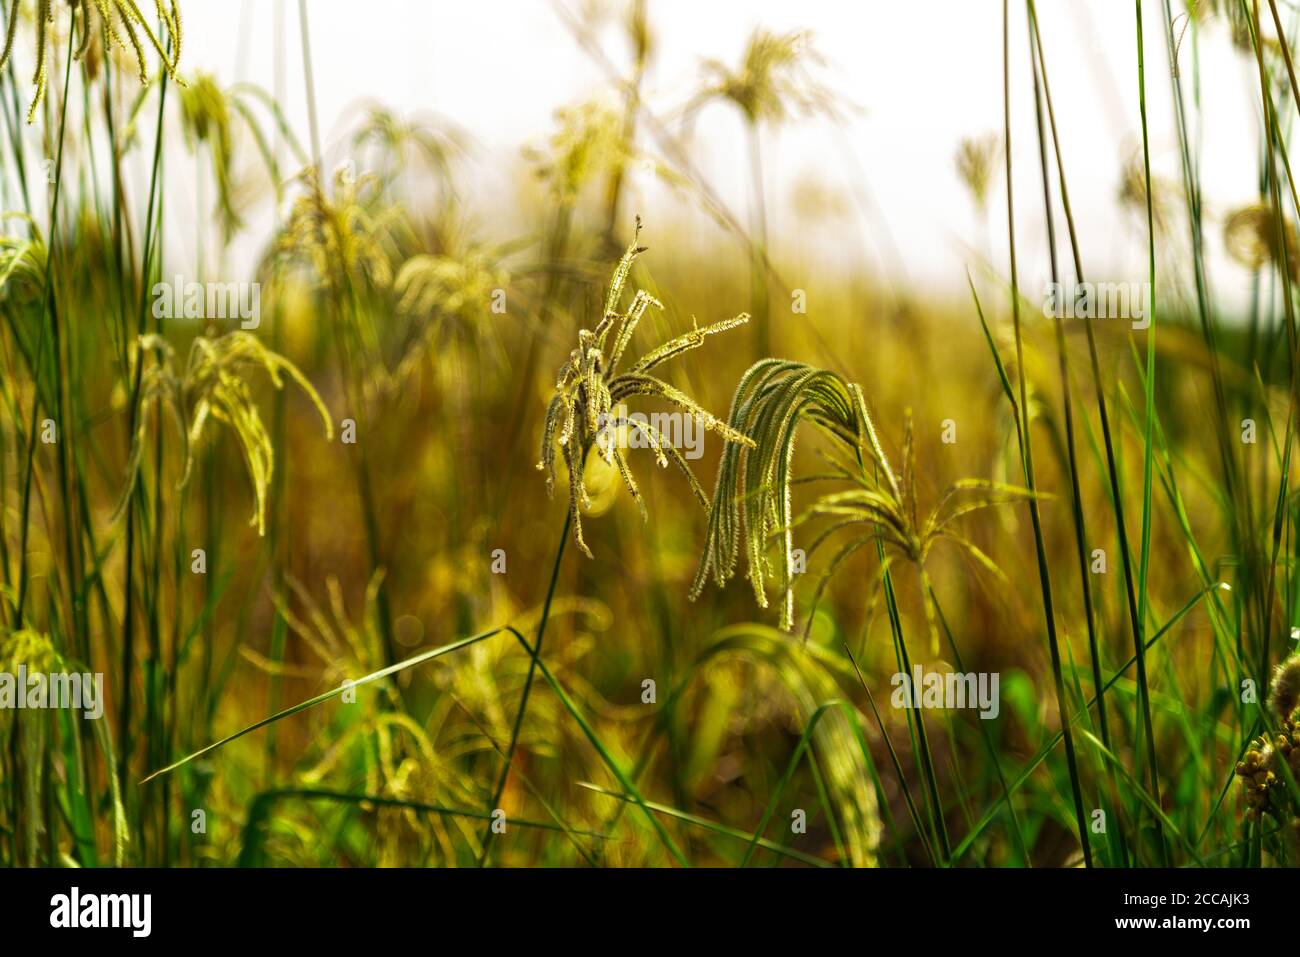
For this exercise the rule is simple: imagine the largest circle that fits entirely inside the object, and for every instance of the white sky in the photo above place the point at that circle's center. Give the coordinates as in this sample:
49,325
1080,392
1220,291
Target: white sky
925,73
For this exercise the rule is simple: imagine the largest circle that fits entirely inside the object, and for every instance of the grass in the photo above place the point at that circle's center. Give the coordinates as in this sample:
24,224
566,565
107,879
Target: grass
397,649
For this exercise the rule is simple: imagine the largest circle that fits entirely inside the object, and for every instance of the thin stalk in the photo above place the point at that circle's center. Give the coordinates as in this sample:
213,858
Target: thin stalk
1076,494
136,497
1144,694
920,742
1027,456
758,259
528,682
50,320
632,104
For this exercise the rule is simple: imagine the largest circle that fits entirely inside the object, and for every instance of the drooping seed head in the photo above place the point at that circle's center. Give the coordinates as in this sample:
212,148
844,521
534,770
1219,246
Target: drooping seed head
588,409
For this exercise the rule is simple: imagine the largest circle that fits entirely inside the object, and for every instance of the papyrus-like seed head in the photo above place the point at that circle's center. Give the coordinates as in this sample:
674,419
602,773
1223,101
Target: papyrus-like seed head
1284,695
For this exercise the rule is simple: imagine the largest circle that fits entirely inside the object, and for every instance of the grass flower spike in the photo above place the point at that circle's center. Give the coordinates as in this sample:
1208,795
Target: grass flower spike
752,503
214,386
774,80
113,14
590,391
976,161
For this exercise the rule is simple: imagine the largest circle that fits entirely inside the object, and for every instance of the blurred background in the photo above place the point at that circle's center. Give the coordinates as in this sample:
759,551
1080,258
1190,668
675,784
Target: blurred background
914,80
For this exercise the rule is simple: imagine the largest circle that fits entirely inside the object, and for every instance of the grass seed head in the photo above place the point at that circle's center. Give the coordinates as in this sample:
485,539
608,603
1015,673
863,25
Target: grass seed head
1263,780
752,503
977,160
1284,694
117,17
214,387
588,143
590,393
774,81
210,116
1251,237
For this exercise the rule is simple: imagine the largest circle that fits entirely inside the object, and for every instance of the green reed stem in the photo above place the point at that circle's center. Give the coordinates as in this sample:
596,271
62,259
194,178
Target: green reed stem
1027,456
528,681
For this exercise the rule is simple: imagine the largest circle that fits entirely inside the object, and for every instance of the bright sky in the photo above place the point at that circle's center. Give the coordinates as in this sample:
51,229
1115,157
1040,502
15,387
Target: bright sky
925,74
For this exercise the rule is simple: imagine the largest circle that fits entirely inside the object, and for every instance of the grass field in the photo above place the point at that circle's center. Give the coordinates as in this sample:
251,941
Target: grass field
438,541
